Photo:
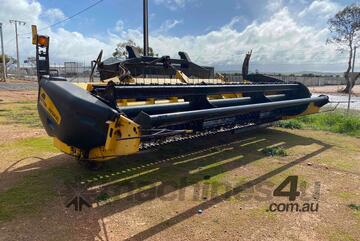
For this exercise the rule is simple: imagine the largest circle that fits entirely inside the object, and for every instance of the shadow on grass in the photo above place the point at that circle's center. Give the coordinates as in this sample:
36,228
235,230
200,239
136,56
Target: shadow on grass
131,181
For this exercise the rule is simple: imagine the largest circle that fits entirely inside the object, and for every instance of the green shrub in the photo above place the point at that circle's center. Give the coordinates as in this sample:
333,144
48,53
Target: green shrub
102,197
337,121
349,125
274,151
290,124
354,207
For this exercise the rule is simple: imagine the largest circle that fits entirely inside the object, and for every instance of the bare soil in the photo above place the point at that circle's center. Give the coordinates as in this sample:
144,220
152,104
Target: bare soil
17,96
13,132
164,194
10,133
333,89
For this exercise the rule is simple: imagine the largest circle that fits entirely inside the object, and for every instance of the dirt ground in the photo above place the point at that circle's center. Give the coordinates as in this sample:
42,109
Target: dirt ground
14,131
216,188
17,96
333,89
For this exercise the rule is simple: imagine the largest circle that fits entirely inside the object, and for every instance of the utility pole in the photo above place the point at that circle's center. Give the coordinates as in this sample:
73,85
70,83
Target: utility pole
146,28
16,22
351,80
3,53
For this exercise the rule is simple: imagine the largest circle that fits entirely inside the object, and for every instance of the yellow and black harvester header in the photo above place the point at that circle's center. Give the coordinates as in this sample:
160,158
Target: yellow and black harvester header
143,102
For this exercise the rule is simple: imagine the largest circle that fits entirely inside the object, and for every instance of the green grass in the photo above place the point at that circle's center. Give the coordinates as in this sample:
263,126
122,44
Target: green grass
346,195
37,144
28,147
103,197
290,124
337,122
32,194
274,151
36,189
339,235
262,213
354,207
24,113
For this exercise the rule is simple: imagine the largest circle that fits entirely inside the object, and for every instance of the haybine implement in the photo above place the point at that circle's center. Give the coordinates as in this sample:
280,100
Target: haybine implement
144,102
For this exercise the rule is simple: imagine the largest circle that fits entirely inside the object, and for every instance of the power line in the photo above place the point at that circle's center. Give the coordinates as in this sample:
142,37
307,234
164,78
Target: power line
16,23
3,53
68,18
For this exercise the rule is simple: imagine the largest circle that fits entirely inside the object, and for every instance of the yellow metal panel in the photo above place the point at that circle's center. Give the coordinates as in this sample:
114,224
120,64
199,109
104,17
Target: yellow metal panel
182,77
49,106
122,102
85,86
311,109
173,99
123,138
65,148
34,34
150,101
225,96
235,95
215,97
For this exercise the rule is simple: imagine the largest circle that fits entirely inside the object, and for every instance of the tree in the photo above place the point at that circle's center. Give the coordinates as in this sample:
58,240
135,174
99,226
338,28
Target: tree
120,50
31,61
8,59
345,33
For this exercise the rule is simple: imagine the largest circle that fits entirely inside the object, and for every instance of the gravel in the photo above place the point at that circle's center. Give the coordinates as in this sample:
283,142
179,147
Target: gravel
355,105
19,86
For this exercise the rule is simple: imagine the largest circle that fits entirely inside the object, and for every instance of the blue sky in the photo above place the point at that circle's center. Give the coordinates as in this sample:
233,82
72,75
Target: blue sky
196,16
286,35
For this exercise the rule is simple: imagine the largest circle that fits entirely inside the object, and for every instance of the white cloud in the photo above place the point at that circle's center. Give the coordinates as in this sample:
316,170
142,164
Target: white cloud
65,45
119,26
234,21
274,5
168,25
54,14
280,39
74,46
320,8
173,4
22,10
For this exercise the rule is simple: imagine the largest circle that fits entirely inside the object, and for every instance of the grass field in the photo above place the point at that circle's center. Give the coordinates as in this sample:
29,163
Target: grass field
337,122
24,113
164,194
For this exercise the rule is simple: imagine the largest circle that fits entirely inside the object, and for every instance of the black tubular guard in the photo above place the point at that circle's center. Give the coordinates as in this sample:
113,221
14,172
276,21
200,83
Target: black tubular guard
83,116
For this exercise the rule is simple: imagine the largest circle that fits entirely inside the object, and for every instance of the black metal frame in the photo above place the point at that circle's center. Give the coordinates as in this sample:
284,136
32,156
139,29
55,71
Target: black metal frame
166,91
158,66
151,121
42,58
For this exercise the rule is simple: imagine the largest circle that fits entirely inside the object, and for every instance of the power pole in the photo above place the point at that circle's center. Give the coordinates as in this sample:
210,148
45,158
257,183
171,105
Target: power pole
146,28
3,53
351,80
16,22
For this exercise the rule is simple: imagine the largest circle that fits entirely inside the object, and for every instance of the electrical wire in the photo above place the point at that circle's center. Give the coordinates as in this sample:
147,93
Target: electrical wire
68,18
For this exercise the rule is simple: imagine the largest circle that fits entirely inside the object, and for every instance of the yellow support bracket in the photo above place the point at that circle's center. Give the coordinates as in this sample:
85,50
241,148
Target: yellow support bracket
182,77
311,109
70,150
123,138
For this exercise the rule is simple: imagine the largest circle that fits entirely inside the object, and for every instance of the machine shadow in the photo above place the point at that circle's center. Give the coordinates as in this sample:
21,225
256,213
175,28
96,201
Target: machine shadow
130,181
21,168
218,199
185,165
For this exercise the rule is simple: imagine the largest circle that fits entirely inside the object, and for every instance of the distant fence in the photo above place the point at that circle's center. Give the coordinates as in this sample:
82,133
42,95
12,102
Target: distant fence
314,81
81,73
62,70
76,73
308,81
